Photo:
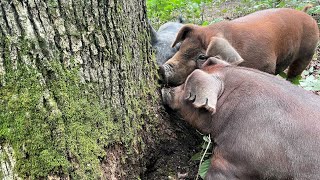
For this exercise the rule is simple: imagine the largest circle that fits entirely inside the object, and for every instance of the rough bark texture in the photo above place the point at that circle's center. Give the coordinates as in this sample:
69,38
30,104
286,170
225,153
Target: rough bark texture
78,97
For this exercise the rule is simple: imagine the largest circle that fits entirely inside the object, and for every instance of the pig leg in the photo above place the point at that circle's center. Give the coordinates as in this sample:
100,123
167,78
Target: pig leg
270,64
220,169
296,68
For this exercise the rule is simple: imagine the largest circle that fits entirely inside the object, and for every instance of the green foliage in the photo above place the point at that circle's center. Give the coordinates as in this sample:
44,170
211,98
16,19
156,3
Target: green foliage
164,11
203,156
311,83
250,6
203,168
315,10
263,4
200,12
296,80
215,20
312,80
283,75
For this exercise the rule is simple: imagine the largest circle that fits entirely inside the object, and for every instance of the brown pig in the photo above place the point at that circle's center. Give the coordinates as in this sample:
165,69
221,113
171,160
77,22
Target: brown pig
269,40
263,126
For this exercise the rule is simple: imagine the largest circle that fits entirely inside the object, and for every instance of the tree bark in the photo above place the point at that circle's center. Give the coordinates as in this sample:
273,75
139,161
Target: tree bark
78,92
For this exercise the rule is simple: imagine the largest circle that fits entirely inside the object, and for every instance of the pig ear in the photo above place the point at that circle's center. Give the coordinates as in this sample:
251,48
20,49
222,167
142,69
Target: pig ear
153,33
182,34
214,61
203,90
221,47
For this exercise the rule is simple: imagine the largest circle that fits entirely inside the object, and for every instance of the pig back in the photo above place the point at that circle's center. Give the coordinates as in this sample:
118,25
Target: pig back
271,125
273,37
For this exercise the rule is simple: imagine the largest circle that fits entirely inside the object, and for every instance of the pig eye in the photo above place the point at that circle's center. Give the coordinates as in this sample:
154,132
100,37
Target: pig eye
202,57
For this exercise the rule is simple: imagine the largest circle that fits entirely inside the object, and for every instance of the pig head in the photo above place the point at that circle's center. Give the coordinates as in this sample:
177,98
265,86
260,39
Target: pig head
162,40
263,126
268,40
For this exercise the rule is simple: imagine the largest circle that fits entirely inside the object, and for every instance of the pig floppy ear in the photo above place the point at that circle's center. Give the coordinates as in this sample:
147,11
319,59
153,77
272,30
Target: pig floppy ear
153,33
203,90
182,34
221,47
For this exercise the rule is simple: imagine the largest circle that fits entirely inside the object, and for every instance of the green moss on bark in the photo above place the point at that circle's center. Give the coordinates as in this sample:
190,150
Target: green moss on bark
53,126
57,125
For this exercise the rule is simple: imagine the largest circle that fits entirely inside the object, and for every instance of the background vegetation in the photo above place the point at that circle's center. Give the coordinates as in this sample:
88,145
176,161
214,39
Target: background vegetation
205,12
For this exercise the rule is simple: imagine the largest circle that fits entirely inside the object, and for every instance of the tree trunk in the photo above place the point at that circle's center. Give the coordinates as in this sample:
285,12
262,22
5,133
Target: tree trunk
78,93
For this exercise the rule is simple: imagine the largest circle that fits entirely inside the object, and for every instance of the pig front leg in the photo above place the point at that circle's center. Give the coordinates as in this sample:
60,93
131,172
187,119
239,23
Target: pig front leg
222,169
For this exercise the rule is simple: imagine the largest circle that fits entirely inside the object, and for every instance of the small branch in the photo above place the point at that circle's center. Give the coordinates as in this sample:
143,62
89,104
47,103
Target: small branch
203,155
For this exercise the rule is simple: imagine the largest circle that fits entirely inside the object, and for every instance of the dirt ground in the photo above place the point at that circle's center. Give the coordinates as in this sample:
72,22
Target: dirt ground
171,159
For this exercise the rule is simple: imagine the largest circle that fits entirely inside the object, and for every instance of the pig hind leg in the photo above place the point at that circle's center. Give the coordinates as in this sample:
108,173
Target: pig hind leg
267,64
307,49
220,169
297,67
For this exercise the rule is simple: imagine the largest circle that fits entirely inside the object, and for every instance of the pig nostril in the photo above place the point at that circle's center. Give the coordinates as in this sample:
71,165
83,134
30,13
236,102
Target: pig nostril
160,81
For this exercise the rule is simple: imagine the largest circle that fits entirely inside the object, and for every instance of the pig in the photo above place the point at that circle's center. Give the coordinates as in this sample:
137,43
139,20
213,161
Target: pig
162,40
263,127
268,40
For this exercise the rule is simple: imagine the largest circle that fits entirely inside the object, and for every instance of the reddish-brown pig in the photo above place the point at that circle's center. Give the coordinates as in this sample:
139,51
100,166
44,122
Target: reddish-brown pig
268,40
263,126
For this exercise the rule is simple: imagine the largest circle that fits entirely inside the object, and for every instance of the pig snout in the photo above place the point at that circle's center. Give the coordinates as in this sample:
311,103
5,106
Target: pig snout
166,95
171,75
171,96
165,72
